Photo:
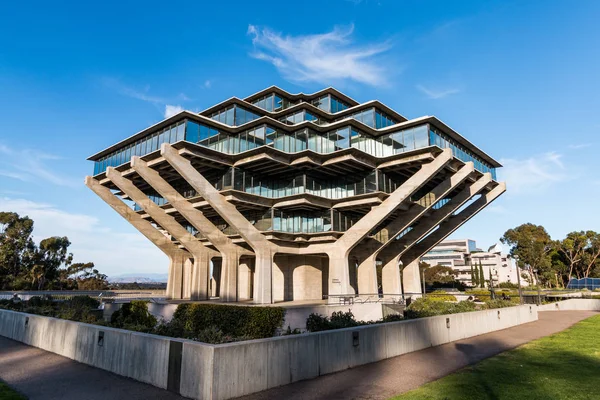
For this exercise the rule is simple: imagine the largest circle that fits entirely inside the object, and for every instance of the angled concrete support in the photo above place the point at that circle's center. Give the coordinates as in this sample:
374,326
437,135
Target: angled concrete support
200,253
452,223
177,256
263,249
230,252
338,257
390,279
411,279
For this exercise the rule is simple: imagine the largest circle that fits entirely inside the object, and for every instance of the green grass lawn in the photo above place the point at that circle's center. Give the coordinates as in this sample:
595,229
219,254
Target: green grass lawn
6,393
562,366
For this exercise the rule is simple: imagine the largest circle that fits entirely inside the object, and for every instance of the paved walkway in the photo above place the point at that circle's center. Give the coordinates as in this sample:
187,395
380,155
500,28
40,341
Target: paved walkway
42,375
384,379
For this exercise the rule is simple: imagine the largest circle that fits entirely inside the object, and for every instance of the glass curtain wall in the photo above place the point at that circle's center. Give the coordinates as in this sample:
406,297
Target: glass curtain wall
290,142
234,115
273,103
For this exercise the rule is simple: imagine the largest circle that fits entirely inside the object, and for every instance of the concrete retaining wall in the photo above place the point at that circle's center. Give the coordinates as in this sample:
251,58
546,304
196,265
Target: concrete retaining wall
572,304
135,355
247,367
204,371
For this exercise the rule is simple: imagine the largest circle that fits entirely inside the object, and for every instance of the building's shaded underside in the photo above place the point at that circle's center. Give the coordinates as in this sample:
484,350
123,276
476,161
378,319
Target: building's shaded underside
279,224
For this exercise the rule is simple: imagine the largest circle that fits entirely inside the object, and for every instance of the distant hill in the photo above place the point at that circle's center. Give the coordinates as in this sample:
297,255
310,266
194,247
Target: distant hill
147,278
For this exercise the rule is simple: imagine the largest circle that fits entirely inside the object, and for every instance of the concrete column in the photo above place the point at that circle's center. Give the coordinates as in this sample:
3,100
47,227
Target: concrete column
216,291
175,290
367,276
229,277
200,278
244,279
263,272
411,278
339,276
390,279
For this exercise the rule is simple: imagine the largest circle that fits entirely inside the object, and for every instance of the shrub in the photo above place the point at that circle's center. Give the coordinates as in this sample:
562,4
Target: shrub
393,318
317,323
498,303
426,307
235,321
134,316
507,285
82,302
440,295
340,319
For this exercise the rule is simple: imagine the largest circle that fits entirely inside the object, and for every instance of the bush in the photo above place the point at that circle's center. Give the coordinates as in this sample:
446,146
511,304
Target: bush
338,320
426,307
508,285
317,323
440,295
498,303
134,316
393,318
190,320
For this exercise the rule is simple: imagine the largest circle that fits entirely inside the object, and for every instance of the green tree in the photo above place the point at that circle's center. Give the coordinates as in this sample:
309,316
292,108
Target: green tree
16,247
481,276
473,279
532,245
572,249
592,252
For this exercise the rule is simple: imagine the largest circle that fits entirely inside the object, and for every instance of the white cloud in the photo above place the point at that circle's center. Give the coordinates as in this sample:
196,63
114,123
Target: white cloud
29,165
322,58
533,174
579,146
112,252
437,94
171,110
207,84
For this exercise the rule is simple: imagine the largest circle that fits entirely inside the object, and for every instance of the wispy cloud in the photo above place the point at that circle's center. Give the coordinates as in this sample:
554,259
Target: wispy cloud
161,103
579,146
533,174
130,251
30,165
207,84
171,110
322,58
436,93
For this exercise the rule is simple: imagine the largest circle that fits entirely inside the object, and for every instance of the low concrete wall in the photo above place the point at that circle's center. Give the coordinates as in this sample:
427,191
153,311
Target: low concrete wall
205,371
572,304
135,355
247,367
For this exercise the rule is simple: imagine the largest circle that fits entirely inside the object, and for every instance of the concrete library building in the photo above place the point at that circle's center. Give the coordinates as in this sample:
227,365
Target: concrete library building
295,197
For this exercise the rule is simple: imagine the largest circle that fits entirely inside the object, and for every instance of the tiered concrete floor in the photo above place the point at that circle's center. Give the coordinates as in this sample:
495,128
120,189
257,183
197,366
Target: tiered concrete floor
42,375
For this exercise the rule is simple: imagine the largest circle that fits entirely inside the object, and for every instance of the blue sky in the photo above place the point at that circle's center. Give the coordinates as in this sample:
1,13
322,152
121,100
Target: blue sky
519,79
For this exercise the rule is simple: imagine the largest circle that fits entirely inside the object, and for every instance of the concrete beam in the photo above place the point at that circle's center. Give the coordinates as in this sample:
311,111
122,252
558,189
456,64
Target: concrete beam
200,253
263,249
230,252
453,223
177,256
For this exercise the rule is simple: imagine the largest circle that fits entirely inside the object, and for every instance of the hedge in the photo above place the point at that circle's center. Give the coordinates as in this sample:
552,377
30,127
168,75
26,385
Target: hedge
428,307
192,321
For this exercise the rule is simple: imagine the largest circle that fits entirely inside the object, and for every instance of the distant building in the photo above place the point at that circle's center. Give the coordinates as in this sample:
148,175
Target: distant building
461,254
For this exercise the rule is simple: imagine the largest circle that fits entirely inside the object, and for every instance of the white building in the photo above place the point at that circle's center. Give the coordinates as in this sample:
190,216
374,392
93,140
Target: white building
461,254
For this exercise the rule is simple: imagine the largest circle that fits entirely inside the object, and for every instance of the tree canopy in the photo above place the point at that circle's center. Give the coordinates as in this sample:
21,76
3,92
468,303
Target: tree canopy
49,265
554,261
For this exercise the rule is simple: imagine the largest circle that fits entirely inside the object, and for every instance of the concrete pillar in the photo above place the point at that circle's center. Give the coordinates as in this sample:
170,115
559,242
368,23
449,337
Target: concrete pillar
200,278
390,279
175,290
229,274
339,276
216,275
411,279
245,279
367,276
263,272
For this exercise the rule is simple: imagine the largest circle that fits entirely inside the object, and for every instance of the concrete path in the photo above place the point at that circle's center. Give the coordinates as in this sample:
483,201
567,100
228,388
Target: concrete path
384,379
42,375
39,374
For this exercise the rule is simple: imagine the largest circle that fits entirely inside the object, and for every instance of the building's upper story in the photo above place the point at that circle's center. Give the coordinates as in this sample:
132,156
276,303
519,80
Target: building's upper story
323,122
